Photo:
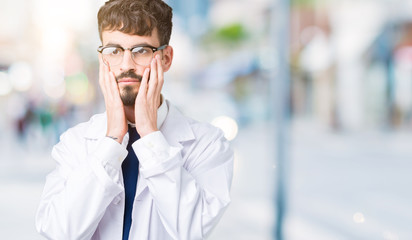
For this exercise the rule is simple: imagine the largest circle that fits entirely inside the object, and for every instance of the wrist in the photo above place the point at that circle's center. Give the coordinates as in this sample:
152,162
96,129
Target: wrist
117,139
145,132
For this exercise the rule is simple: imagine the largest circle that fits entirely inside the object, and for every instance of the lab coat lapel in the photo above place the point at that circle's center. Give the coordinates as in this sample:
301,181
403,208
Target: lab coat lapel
176,129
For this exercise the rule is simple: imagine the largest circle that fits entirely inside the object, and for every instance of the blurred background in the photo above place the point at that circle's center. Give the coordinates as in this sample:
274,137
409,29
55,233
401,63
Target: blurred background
321,127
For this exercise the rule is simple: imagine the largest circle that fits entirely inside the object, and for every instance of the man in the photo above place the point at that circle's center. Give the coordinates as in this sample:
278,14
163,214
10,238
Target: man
172,183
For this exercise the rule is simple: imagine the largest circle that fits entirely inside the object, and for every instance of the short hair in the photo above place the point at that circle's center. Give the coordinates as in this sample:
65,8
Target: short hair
136,17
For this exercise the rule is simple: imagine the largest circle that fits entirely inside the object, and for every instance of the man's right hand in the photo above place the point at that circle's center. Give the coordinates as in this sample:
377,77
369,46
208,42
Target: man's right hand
116,118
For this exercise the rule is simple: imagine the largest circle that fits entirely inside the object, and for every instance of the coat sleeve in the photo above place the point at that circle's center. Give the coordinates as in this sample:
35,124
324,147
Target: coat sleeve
190,188
78,191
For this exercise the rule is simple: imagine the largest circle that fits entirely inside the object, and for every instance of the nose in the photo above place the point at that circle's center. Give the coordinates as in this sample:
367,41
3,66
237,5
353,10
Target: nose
127,62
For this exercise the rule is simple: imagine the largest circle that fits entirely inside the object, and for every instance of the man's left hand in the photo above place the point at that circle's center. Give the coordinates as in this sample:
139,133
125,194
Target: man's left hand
148,98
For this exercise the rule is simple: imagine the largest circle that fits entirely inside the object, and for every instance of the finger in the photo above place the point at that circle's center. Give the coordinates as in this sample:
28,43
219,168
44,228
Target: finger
103,64
153,79
107,83
102,75
143,85
160,75
113,83
101,72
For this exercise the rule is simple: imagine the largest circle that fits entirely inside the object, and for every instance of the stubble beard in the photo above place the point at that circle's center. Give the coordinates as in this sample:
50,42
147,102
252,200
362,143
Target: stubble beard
128,95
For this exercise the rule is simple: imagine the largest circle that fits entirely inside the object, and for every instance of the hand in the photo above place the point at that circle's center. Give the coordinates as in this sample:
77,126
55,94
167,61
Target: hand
148,98
116,119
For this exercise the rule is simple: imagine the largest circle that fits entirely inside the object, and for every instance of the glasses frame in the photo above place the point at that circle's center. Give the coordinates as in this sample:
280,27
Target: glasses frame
154,49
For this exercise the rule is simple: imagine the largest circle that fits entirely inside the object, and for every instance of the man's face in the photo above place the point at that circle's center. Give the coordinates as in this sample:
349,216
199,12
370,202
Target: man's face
128,73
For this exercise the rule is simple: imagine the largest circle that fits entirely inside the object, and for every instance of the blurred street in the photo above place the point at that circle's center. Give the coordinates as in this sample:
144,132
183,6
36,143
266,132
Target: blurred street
339,71
341,186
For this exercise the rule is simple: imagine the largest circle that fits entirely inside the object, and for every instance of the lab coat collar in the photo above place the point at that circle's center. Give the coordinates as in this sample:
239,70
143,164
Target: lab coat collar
175,127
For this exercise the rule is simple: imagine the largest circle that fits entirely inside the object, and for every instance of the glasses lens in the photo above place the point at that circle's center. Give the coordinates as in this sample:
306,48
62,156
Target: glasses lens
113,55
142,55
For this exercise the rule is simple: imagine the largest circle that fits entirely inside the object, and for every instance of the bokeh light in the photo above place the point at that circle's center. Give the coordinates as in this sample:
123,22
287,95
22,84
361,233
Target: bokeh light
54,85
79,90
358,217
21,76
5,85
228,126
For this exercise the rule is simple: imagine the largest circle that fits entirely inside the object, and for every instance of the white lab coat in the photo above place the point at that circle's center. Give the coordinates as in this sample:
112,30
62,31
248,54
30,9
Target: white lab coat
180,196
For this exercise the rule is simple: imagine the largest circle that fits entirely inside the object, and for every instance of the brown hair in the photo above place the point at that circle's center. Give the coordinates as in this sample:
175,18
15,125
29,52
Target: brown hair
137,17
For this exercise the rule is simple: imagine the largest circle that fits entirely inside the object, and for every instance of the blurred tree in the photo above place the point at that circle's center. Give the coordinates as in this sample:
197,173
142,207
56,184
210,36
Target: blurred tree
303,2
231,34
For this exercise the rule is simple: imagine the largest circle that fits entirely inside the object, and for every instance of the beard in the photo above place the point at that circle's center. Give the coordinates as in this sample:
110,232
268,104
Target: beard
128,94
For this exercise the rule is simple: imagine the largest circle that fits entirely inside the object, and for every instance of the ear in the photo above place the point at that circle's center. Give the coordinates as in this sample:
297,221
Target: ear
167,58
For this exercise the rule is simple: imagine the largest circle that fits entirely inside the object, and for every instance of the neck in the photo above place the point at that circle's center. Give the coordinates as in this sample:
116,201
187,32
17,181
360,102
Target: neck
129,112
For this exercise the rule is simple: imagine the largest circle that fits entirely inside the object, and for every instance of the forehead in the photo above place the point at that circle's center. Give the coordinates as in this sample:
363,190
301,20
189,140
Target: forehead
128,40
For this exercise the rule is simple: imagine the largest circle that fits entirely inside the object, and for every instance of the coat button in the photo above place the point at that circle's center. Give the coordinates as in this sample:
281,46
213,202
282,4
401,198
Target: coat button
116,200
149,145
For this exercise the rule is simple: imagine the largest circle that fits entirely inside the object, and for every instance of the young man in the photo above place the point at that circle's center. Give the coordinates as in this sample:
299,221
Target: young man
171,183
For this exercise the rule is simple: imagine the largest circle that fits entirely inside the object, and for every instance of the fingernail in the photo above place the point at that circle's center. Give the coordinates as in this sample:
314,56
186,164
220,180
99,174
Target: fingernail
158,57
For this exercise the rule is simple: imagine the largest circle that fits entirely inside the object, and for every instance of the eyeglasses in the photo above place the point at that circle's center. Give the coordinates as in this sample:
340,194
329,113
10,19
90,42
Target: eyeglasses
141,55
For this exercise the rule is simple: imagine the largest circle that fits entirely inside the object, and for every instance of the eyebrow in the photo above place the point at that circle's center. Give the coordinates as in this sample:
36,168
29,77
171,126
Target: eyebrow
112,45
144,44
